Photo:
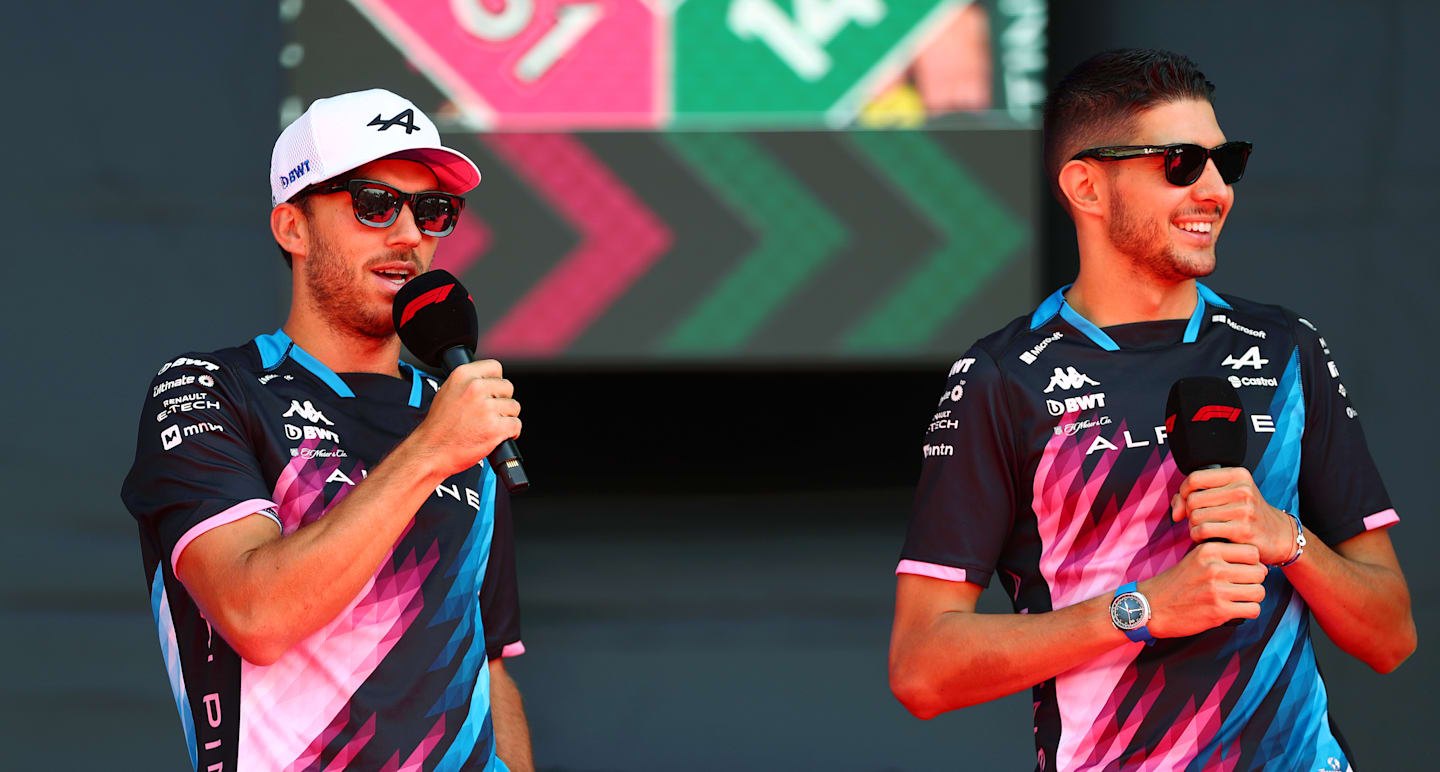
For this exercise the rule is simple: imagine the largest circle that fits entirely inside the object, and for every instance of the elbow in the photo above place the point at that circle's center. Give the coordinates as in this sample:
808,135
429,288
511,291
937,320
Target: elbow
1401,647
914,691
258,652
256,643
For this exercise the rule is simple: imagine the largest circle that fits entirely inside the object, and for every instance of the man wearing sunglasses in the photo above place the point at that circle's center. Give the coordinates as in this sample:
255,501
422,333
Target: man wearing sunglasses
1046,465
329,559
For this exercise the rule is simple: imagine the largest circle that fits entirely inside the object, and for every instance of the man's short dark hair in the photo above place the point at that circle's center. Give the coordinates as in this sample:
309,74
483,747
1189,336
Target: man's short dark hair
1096,104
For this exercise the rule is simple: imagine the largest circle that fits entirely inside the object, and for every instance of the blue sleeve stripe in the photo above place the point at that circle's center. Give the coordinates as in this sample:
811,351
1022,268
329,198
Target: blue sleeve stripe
1278,473
169,650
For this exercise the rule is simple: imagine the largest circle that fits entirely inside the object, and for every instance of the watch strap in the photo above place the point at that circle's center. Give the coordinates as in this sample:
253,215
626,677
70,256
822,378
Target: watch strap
1140,634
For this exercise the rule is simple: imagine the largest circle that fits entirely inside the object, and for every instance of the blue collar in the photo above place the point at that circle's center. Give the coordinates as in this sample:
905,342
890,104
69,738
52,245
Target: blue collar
277,346
1055,304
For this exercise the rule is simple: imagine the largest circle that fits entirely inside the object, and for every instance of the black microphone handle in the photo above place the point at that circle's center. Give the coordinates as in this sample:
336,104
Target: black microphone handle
505,458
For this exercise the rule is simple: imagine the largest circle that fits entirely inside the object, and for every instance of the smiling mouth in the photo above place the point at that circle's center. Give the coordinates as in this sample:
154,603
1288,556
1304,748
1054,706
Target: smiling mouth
1194,227
398,278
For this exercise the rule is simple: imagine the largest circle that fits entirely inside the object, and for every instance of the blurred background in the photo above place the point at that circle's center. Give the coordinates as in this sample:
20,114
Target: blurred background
727,250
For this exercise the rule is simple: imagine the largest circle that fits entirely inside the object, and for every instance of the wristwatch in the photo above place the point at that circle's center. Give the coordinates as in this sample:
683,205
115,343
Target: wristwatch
1130,612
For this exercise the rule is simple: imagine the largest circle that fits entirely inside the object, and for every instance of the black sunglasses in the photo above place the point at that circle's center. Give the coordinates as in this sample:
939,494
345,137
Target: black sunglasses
1184,162
378,205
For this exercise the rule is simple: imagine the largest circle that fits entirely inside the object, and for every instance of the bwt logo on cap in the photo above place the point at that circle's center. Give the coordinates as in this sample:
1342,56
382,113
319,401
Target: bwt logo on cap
299,171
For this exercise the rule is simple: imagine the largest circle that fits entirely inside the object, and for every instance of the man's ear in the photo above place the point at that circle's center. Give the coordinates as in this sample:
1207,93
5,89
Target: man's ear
290,228
1084,186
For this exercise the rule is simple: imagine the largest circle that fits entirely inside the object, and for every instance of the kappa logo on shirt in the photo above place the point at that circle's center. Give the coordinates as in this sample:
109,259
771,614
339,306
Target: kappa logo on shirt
308,412
1069,378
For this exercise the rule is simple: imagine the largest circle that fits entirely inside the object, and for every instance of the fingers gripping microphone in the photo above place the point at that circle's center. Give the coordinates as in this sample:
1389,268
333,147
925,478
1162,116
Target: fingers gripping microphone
435,317
1205,424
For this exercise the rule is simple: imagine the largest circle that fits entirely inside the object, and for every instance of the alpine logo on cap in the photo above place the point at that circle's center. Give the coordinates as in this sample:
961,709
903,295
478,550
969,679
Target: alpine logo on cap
405,120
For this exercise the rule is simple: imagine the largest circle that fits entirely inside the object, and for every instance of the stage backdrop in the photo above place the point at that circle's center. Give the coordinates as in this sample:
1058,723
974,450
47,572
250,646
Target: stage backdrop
716,180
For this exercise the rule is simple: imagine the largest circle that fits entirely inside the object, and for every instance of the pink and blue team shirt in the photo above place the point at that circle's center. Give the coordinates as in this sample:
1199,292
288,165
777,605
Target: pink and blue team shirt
1045,463
398,680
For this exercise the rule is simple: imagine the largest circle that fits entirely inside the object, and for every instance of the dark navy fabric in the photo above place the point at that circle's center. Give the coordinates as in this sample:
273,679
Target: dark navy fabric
1045,463
399,676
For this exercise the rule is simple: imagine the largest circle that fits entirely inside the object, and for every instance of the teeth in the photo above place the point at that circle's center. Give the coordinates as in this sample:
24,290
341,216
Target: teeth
1196,227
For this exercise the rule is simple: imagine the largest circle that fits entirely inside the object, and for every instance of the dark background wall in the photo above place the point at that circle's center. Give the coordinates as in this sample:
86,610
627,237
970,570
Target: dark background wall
719,598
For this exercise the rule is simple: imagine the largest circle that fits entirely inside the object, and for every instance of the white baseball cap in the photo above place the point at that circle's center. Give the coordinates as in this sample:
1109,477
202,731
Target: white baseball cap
343,132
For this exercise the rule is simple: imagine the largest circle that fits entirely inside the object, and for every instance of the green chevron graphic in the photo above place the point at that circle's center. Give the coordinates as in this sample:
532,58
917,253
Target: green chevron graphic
797,236
978,234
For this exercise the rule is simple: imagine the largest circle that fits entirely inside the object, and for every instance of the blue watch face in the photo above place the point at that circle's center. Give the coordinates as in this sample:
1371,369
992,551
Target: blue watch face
1130,610
1127,612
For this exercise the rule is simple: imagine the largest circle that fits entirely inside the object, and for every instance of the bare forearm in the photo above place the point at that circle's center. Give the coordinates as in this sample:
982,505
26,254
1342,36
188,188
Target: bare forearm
512,732
1362,606
965,658
290,587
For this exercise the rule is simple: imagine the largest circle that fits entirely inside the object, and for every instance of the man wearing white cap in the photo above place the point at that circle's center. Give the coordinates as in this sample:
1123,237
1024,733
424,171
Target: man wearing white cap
329,559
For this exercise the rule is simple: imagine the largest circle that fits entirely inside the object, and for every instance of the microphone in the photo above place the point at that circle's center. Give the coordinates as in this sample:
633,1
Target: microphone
435,318
1205,424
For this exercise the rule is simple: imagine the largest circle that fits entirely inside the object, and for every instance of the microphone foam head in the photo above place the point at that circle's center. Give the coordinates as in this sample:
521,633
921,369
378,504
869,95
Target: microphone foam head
432,313
1205,424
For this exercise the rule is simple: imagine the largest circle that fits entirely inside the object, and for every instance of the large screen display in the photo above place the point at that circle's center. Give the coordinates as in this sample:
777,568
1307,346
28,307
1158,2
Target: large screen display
698,180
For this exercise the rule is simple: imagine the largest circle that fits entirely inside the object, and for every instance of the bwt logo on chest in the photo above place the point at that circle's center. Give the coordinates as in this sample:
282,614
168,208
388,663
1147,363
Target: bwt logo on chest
299,171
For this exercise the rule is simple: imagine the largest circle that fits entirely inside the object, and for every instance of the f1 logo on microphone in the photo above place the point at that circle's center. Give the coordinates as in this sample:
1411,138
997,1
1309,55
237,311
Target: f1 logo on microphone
1209,412
429,298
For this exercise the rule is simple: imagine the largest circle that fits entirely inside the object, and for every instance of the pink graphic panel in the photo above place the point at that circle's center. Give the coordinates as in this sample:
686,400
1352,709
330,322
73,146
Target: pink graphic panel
535,63
621,239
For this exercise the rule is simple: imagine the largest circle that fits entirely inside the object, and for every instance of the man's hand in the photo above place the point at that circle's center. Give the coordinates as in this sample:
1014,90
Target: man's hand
1225,504
472,413
1211,585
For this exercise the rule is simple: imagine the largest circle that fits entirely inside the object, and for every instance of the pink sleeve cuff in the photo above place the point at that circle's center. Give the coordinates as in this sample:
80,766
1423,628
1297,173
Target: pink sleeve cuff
1381,519
240,511
948,573
513,649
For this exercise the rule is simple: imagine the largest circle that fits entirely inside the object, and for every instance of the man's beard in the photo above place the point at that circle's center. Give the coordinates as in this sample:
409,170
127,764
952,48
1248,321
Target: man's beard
339,292
1149,251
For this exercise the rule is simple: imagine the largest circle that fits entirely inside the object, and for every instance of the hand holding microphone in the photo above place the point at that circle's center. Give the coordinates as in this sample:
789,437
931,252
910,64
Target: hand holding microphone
1220,581
475,410
1206,426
